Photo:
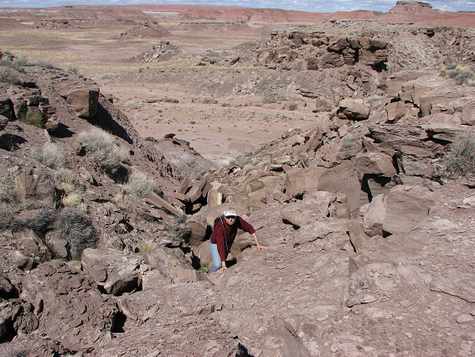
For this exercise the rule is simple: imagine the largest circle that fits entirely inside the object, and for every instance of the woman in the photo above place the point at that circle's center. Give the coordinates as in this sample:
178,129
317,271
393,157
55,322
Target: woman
224,231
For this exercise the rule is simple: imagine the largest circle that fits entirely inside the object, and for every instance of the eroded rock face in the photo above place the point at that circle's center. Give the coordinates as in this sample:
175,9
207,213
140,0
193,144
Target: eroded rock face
68,306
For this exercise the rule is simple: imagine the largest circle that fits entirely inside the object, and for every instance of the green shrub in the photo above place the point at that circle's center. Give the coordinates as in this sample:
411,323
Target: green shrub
460,161
102,147
139,185
50,155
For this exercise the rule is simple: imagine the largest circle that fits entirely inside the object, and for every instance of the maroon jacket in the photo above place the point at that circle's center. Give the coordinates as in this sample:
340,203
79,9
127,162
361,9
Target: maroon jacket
223,234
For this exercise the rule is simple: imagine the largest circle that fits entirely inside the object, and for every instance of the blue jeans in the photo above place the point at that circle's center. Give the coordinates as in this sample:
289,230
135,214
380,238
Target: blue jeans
215,258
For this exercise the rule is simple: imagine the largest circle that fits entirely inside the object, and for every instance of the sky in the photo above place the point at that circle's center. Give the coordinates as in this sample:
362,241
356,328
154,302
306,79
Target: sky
306,5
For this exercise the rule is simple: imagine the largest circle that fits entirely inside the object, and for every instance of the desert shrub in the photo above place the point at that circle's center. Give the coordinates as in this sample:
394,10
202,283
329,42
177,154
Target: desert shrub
7,190
139,185
77,230
8,75
462,74
102,147
460,161
73,70
50,155
16,62
73,199
66,180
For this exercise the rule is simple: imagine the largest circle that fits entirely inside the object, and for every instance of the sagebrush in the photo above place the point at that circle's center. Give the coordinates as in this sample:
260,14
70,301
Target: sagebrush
460,161
140,185
462,74
102,147
50,155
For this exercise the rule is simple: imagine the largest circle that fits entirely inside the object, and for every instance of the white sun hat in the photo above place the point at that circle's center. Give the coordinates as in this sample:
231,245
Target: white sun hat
229,213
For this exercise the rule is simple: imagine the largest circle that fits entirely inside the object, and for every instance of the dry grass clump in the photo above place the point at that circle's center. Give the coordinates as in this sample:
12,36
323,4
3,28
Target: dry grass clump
16,63
139,184
50,155
102,147
9,75
462,74
460,161
73,199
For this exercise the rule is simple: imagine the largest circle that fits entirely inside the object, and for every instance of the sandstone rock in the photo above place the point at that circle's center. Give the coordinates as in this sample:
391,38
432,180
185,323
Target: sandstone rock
344,179
3,122
468,114
299,181
373,163
70,308
172,264
349,146
446,132
353,109
398,211
282,340
315,205
396,111
30,245
214,197
6,108
112,270
16,317
7,290
84,101
323,105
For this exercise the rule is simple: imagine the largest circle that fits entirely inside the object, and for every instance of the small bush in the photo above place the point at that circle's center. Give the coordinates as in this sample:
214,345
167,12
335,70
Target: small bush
16,63
462,74
139,185
73,199
50,155
7,190
77,230
102,148
8,75
460,161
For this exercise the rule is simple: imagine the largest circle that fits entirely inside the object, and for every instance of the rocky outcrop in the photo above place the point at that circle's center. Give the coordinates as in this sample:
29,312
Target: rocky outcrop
316,50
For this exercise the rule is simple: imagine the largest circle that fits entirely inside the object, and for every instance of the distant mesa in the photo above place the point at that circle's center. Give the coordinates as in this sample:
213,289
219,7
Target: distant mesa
409,6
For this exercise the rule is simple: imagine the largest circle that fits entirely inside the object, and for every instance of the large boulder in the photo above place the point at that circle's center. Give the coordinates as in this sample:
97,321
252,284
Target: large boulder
315,206
84,101
374,163
353,109
172,264
398,211
113,271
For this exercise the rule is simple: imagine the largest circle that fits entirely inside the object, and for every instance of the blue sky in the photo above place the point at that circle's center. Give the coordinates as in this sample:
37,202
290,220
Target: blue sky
307,5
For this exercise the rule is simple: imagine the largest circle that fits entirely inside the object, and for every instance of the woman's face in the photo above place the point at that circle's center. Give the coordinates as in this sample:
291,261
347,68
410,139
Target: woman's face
230,220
